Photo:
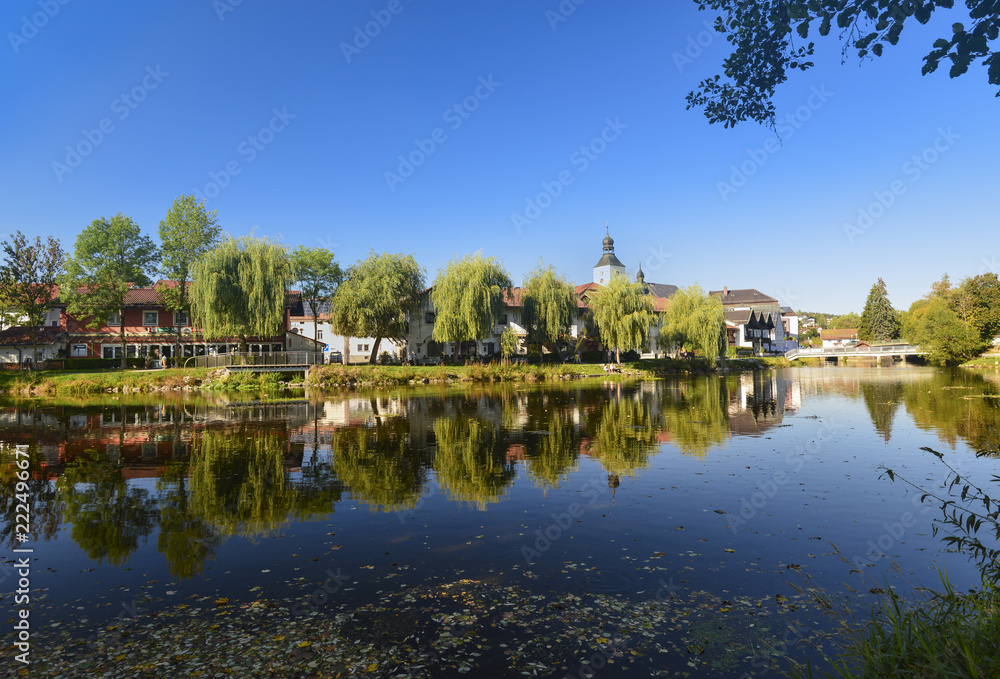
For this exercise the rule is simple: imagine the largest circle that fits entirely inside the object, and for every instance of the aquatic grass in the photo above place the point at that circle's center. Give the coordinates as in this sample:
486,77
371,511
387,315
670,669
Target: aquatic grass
930,634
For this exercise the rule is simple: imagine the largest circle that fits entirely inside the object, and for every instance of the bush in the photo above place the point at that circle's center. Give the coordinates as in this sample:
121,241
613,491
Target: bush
100,363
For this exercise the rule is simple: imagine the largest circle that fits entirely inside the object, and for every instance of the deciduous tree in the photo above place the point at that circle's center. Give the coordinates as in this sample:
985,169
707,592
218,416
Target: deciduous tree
375,298
548,307
109,258
468,298
696,320
186,234
318,276
623,313
239,289
764,36
29,278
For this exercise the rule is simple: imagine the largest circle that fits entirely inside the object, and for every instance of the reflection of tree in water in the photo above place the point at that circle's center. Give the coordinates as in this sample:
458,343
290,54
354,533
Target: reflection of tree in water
470,461
882,399
696,416
378,464
549,456
239,483
956,405
317,490
108,515
186,540
43,500
624,433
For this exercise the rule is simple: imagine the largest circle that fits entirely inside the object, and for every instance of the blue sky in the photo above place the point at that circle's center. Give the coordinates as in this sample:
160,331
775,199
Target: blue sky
262,109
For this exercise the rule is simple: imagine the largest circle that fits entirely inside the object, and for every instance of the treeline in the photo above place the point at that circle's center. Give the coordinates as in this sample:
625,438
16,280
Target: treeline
236,287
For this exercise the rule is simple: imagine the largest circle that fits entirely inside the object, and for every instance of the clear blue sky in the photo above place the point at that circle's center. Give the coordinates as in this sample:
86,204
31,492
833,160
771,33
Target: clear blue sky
184,90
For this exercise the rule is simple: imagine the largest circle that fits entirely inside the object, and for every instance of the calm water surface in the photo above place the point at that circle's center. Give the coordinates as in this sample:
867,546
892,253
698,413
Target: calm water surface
613,530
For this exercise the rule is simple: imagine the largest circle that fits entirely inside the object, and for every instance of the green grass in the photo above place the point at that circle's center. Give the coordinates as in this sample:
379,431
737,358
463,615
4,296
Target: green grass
983,362
47,383
946,634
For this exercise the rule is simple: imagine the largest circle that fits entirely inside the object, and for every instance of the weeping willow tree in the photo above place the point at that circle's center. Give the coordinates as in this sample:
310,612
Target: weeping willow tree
623,313
553,453
470,461
548,304
694,320
109,516
239,289
625,434
185,540
379,466
696,415
239,484
468,298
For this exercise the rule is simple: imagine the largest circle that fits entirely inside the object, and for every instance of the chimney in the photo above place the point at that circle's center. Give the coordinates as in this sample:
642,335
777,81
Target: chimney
725,291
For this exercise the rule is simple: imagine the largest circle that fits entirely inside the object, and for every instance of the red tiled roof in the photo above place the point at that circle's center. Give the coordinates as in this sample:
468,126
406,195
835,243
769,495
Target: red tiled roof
20,335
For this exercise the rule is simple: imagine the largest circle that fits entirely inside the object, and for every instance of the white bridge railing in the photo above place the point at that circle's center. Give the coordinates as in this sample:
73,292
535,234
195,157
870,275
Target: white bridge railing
899,349
256,360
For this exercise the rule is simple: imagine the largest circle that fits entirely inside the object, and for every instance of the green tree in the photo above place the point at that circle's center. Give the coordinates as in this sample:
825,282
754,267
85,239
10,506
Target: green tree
185,540
879,321
29,278
848,321
318,275
623,313
508,342
468,297
186,234
239,289
375,298
548,307
933,325
763,36
977,303
696,320
109,258
380,465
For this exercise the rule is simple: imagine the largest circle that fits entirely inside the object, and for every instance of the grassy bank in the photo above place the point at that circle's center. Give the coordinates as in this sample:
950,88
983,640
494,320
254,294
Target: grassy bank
50,383
983,362
45,383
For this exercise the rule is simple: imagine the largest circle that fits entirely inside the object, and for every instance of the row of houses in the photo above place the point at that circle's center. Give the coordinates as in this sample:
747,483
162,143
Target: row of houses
753,321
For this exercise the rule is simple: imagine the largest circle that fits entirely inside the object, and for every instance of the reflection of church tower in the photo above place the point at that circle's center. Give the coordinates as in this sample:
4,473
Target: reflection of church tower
608,264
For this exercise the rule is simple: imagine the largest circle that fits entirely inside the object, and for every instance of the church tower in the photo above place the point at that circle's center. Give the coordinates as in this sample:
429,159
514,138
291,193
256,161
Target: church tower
608,264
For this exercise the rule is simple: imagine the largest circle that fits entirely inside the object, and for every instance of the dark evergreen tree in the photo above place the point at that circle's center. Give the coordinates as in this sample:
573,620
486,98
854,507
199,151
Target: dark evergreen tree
879,321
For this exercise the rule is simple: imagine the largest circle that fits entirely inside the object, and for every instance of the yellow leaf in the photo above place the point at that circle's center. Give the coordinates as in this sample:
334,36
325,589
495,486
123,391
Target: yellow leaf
372,667
303,644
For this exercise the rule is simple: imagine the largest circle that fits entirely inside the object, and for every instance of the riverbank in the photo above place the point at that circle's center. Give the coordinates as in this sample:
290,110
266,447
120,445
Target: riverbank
50,383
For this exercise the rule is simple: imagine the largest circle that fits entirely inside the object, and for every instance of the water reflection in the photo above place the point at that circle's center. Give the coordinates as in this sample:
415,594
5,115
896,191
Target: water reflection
192,474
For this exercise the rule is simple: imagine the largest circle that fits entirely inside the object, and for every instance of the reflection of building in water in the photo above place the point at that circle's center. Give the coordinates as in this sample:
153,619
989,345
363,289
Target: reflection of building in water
759,400
142,438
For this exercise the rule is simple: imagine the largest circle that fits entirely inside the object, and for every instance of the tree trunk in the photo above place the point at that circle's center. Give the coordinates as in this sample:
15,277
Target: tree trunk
371,359
124,352
34,348
177,346
243,348
618,355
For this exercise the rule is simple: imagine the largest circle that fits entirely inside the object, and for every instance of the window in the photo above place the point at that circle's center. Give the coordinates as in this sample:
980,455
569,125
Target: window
359,347
429,316
503,320
319,334
180,318
114,318
78,350
150,318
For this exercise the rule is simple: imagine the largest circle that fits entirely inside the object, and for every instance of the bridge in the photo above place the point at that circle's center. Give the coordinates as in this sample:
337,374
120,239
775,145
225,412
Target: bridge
279,361
870,351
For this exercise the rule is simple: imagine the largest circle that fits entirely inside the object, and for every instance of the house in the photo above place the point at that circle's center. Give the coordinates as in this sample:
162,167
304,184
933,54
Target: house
17,345
790,319
151,330
764,328
838,337
337,347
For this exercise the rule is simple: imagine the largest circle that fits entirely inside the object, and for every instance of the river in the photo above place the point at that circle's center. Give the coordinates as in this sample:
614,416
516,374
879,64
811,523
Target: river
698,525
